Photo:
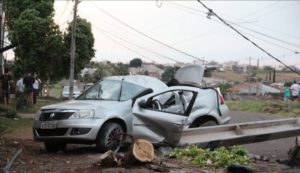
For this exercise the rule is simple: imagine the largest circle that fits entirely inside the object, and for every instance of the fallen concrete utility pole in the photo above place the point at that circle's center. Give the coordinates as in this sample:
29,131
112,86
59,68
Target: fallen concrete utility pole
241,133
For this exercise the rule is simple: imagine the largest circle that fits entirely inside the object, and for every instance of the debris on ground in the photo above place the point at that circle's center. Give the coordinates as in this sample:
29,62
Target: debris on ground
237,168
10,163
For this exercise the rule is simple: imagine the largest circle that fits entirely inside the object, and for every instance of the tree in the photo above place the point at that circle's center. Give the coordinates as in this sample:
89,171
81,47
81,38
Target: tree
136,62
224,87
41,46
267,68
120,69
38,39
169,73
84,45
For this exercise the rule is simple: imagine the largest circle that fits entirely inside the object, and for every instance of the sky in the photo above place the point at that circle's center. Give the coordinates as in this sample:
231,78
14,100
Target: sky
185,27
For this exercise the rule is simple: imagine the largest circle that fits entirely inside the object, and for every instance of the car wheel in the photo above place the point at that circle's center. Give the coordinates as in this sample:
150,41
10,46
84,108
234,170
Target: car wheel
110,137
204,123
54,147
207,123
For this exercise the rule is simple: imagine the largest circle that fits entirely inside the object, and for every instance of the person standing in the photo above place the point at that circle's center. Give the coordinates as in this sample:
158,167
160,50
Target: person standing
28,81
295,89
5,80
36,84
286,95
20,101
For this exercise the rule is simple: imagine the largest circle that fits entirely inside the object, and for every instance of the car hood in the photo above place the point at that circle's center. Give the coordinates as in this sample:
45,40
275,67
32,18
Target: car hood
101,107
190,74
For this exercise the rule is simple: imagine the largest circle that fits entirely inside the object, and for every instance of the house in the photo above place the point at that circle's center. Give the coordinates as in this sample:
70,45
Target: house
254,89
89,71
149,69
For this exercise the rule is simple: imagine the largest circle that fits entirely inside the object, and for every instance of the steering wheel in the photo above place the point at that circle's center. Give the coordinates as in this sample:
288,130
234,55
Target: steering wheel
156,104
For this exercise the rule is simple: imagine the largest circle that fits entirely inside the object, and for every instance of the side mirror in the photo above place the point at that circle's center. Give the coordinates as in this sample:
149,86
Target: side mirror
142,104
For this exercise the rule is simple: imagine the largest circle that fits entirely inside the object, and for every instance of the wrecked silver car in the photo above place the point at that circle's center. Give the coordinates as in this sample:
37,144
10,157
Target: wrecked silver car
121,106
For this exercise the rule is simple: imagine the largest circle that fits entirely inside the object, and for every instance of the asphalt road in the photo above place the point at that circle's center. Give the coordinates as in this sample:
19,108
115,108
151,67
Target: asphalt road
275,149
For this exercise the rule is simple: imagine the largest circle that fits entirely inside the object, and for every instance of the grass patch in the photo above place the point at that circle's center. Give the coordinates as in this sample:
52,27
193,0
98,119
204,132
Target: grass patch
272,107
248,105
218,158
16,125
8,112
41,101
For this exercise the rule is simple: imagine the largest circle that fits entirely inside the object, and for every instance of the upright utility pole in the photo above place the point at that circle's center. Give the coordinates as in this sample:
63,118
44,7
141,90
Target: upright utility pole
249,76
73,48
2,27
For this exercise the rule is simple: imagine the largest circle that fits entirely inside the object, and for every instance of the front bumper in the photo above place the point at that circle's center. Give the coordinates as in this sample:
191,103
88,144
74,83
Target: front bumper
69,130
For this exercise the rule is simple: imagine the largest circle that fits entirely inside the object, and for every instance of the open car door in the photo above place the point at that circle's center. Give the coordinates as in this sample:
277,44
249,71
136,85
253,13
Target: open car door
161,117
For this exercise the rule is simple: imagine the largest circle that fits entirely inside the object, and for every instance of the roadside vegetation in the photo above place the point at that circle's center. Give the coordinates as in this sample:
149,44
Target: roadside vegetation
271,107
9,118
16,125
218,158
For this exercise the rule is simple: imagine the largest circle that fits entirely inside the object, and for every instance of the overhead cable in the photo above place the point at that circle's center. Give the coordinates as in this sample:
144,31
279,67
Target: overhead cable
145,35
243,27
132,50
266,35
120,38
211,11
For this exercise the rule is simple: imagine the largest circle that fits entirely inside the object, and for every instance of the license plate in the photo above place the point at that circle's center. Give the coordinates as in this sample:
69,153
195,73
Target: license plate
48,125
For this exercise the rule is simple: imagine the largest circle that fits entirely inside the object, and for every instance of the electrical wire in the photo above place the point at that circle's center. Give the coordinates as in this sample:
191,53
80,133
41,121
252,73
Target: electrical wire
197,11
272,30
237,24
260,9
145,35
264,14
268,36
212,12
166,57
275,44
122,45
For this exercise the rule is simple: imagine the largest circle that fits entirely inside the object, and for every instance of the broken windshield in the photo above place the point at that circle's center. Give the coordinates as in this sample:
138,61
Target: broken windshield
113,90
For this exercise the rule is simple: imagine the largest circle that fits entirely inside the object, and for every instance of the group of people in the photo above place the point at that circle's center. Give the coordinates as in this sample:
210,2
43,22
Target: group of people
26,88
292,92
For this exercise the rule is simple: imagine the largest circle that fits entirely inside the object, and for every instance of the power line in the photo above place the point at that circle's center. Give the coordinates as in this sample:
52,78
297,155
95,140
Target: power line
278,45
237,24
213,13
138,53
264,14
197,11
145,35
271,37
260,9
283,33
172,59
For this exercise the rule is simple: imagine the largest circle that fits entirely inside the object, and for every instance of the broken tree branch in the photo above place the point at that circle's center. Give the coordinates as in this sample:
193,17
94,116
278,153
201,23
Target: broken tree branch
9,164
4,132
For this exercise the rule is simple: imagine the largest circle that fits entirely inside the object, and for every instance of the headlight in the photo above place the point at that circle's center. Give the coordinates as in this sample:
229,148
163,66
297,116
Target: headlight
83,114
37,115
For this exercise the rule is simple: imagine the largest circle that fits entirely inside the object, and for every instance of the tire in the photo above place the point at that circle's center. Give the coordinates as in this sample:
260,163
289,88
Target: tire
53,147
207,123
204,123
110,137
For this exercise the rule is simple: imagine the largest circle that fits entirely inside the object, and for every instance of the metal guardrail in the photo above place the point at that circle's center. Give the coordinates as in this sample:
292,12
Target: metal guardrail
241,133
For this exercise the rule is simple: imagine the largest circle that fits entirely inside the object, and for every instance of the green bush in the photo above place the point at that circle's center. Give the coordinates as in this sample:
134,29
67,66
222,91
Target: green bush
8,112
2,127
221,157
